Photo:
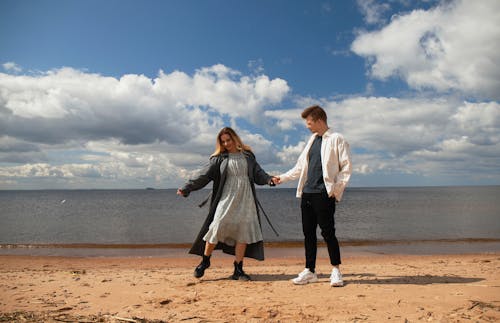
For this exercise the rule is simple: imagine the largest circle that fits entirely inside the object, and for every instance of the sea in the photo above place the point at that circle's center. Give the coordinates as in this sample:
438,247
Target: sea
158,222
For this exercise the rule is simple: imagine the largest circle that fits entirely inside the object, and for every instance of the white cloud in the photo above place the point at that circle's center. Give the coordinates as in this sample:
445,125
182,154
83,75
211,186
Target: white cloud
454,46
71,129
373,12
217,88
12,67
134,108
480,122
289,154
285,119
390,125
256,66
432,136
126,128
419,136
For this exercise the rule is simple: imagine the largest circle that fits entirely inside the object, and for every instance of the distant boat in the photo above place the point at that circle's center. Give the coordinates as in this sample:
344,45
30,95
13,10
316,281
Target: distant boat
149,188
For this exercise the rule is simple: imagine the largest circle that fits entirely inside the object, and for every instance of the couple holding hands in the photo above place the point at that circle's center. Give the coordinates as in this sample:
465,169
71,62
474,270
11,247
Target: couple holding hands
323,170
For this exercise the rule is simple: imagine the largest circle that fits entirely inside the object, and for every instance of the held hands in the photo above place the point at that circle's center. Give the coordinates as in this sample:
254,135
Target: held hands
275,180
180,192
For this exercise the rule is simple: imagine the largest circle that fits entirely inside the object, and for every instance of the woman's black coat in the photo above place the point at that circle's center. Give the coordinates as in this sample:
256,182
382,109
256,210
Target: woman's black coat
216,171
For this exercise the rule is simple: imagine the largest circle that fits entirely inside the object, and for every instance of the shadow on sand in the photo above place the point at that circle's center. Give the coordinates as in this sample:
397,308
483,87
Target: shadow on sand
369,279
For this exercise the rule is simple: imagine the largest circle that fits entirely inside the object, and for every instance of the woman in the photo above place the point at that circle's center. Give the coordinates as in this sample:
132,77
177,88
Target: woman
233,222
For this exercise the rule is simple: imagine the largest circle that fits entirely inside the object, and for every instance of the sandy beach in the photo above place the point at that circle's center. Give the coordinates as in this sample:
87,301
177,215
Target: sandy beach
378,288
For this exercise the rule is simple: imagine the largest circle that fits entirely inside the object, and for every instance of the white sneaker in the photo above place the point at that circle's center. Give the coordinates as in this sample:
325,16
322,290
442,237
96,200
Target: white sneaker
305,277
336,278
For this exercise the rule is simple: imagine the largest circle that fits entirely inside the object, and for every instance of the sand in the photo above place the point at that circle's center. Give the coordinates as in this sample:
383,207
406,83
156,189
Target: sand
378,288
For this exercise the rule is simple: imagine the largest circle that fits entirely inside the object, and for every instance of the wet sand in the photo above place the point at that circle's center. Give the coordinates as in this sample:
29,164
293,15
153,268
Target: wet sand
272,249
379,287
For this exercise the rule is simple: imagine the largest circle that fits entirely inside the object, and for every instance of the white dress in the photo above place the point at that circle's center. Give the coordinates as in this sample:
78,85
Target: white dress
235,218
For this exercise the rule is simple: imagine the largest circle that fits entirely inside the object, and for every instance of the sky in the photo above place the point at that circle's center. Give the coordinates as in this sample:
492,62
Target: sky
126,94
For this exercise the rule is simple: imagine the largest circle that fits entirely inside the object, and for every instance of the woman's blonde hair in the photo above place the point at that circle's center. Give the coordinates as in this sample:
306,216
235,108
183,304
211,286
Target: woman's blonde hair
219,148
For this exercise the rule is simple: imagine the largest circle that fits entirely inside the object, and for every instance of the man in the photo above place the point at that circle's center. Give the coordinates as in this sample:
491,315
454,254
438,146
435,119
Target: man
323,170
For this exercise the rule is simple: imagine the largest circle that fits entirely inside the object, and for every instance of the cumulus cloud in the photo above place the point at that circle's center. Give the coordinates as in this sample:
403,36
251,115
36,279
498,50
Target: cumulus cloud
425,136
128,127
12,67
67,104
72,129
391,125
372,11
290,153
13,150
420,136
217,88
285,119
452,47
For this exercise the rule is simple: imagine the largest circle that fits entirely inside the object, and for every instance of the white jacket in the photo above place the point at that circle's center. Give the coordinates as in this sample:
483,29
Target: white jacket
336,164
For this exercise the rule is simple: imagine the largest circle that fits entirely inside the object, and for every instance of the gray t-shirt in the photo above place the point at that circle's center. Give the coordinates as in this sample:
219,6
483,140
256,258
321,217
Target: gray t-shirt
314,182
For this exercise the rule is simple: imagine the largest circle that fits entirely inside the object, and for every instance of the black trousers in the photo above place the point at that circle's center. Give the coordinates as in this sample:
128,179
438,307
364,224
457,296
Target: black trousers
319,209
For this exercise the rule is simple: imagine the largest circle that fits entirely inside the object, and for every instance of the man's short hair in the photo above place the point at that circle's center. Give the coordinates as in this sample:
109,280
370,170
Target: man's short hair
316,112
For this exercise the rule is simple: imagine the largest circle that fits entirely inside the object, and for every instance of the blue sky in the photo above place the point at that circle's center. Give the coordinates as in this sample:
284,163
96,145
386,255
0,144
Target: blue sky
130,94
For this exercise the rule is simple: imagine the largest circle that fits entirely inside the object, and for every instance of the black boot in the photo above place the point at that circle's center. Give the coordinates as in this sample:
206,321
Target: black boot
199,271
239,274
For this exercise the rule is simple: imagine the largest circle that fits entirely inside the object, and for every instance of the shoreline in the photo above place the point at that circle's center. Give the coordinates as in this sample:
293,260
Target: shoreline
272,249
378,288
274,244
